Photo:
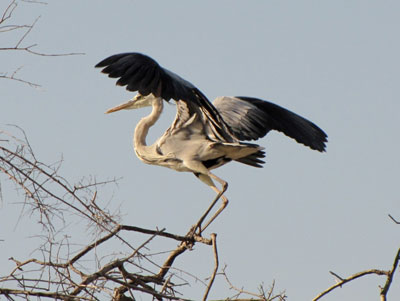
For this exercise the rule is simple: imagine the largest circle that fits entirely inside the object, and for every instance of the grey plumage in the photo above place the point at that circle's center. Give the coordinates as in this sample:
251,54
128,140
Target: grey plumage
251,118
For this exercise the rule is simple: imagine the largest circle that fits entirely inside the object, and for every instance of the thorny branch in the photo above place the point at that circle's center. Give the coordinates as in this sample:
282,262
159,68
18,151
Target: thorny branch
22,31
66,271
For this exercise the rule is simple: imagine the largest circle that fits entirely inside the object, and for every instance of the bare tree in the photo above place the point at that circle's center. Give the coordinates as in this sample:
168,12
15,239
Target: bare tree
63,273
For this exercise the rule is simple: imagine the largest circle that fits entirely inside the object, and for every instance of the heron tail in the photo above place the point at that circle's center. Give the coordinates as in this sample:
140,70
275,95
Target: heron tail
253,159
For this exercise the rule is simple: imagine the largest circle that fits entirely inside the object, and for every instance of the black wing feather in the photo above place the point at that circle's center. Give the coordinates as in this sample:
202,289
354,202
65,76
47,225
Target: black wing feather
126,76
141,73
252,118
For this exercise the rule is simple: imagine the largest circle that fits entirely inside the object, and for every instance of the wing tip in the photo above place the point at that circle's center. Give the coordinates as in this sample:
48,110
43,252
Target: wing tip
320,142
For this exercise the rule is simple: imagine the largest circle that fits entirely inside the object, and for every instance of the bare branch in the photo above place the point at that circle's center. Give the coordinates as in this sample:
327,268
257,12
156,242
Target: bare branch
351,278
262,296
389,279
187,238
56,296
216,261
394,220
8,11
26,29
34,1
13,77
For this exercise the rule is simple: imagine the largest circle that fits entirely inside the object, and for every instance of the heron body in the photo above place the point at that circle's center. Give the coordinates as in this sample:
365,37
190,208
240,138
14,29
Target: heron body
204,135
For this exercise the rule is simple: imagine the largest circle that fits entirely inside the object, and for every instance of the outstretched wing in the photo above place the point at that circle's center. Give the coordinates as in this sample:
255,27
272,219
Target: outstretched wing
251,118
141,73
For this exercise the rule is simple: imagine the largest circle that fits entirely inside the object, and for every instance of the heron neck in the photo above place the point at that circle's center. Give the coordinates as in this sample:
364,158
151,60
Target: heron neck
146,123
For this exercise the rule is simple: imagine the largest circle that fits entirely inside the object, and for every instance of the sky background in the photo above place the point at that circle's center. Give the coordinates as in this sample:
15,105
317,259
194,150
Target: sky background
305,213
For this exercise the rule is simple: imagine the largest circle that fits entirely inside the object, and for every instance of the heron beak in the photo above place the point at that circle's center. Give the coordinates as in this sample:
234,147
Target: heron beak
126,105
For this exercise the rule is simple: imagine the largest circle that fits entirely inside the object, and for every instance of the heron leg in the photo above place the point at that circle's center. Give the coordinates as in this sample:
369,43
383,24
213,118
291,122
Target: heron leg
207,177
220,194
208,180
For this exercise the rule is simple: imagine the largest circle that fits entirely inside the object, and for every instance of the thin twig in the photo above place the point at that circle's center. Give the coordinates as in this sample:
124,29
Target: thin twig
239,290
12,77
18,46
394,220
8,11
216,264
336,275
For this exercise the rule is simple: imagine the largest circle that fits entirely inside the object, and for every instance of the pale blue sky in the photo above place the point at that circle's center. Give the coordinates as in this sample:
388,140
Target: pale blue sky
302,215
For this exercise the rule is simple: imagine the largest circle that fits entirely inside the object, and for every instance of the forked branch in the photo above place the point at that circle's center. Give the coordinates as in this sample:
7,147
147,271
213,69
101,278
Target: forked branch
383,292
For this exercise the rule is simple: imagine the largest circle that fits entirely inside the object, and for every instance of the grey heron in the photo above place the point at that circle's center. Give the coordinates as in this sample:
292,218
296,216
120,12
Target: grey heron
204,135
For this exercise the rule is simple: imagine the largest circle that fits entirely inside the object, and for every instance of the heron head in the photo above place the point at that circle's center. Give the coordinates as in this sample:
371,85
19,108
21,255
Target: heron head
139,101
